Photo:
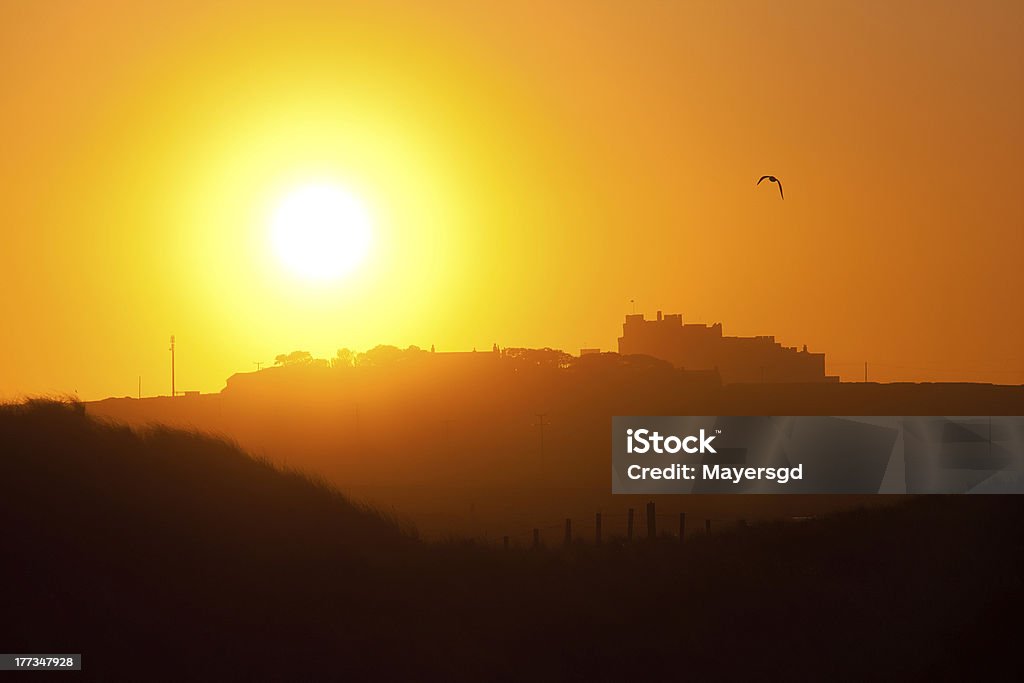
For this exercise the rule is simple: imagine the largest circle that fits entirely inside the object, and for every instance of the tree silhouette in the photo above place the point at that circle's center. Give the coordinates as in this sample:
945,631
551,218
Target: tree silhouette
384,355
345,358
294,358
544,358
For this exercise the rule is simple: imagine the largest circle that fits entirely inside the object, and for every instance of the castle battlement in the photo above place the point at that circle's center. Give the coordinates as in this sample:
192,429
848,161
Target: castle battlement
704,347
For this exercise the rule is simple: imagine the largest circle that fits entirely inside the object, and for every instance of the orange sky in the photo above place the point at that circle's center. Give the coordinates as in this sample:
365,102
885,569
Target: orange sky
529,170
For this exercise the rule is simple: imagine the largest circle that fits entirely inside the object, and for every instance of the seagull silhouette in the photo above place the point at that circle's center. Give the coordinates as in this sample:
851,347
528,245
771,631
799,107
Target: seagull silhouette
773,179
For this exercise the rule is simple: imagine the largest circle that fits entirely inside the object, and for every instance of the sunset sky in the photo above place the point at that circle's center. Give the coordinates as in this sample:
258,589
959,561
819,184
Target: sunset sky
527,169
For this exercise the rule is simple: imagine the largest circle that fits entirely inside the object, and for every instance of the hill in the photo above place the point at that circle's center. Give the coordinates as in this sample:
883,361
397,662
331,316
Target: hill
453,442
164,554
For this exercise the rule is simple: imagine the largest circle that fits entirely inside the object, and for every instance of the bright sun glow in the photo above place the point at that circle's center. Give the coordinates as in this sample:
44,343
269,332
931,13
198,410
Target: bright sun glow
320,232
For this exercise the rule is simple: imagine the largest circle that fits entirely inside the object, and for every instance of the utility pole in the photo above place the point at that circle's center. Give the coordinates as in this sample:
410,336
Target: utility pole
173,394
633,302
258,364
541,424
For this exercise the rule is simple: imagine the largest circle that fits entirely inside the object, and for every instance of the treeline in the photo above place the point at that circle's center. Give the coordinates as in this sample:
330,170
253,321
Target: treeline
384,355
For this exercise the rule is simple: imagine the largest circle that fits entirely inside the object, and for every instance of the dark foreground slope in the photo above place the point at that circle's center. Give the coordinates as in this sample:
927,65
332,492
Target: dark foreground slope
457,447
167,555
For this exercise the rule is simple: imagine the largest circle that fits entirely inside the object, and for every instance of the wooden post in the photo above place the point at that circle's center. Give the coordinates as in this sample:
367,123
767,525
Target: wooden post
536,538
629,525
504,542
651,528
568,532
597,528
707,526
682,526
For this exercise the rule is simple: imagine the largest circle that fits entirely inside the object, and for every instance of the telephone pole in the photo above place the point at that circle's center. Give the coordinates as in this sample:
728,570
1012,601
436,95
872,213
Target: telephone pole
173,394
258,364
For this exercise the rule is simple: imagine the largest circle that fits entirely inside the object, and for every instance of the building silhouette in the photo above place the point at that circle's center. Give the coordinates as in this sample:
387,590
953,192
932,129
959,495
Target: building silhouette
703,347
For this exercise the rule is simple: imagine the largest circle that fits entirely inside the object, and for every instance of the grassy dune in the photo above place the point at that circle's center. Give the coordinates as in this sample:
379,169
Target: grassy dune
172,555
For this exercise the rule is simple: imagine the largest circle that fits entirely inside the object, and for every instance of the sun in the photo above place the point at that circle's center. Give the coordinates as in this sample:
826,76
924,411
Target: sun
320,232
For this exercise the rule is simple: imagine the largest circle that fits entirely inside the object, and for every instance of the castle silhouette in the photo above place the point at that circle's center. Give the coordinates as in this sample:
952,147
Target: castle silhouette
703,347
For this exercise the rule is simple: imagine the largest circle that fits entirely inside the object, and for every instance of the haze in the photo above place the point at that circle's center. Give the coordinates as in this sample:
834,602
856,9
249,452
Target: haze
531,170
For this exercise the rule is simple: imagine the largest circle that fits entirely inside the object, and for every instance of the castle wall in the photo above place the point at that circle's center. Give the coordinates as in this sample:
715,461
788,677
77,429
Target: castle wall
703,347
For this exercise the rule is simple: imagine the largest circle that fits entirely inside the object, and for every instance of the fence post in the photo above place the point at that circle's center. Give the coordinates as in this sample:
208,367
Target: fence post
682,526
707,526
651,528
629,525
597,528
568,532
504,542
536,538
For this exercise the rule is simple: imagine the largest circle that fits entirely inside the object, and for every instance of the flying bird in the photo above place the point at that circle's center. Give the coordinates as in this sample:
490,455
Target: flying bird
773,179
